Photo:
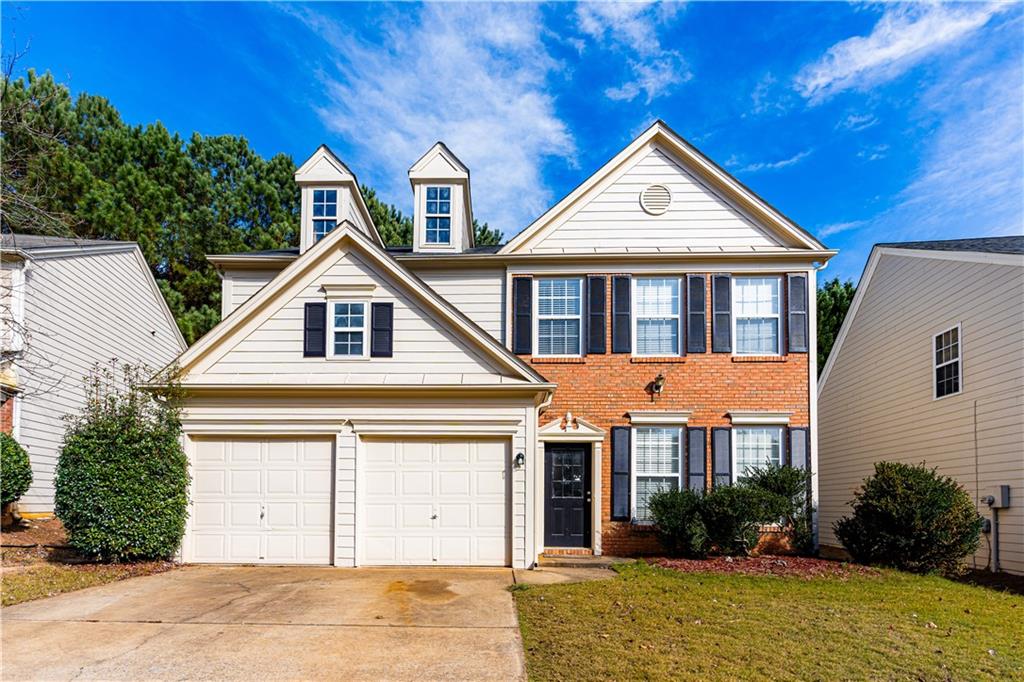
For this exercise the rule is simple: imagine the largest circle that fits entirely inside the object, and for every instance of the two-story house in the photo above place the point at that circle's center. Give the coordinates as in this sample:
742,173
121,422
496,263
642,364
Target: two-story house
446,403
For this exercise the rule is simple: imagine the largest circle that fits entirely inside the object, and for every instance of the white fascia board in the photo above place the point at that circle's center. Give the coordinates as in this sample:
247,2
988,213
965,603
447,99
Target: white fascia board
738,418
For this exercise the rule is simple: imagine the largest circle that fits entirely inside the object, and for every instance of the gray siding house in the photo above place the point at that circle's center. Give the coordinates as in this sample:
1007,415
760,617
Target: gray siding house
929,368
67,305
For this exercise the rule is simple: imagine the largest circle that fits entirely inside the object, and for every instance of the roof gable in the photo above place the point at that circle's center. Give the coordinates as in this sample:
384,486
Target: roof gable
707,198
439,162
324,166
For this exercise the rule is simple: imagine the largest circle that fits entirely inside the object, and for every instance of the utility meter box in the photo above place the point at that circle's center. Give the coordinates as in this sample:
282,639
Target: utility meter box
1002,497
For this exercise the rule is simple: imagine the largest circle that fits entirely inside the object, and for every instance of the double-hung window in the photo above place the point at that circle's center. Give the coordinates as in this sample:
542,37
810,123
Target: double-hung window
947,362
657,465
756,317
348,337
559,316
325,212
656,316
755,447
439,215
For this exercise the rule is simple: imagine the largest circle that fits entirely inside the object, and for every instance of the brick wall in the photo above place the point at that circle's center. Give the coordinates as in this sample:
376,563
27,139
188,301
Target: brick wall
602,389
7,413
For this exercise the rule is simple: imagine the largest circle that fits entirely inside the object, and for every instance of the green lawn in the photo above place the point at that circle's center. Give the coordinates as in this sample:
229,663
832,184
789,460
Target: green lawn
655,623
46,580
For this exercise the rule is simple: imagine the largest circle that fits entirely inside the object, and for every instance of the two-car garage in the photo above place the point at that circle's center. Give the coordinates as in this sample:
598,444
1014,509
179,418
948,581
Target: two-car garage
418,501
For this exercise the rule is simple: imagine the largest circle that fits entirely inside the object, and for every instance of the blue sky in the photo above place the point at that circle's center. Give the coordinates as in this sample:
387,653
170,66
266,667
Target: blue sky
863,123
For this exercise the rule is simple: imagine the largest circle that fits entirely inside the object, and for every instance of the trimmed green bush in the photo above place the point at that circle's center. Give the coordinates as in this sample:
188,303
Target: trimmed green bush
733,516
911,518
677,516
791,487
122,477
15,470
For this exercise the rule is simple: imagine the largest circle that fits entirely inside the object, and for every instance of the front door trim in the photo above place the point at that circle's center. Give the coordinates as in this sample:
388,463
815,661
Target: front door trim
579,498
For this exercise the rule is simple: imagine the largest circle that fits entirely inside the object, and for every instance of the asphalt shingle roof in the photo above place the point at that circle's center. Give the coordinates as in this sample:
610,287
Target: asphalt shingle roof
981,244
33,242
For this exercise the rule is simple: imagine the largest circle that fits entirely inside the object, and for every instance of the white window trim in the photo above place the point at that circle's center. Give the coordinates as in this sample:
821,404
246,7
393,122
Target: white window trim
313,219
331,329
635,318
734,441
959,359
632,465
450,215
734,317
536,317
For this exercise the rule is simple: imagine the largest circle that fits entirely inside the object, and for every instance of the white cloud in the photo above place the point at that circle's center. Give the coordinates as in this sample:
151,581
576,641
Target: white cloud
836,228
874,152
631,28
858,122
769,96
771,165
475,76
904,36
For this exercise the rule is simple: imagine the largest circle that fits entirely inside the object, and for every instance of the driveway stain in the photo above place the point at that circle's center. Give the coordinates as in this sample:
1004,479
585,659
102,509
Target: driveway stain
434,591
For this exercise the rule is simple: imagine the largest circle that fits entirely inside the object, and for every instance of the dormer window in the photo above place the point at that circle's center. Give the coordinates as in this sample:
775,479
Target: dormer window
439,215
325,212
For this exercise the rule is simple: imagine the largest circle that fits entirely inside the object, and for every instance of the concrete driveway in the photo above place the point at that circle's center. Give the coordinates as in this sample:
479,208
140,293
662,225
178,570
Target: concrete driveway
244,622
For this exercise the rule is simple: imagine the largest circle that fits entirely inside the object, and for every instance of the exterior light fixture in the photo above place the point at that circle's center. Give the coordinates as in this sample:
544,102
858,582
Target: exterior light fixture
520,460
657,385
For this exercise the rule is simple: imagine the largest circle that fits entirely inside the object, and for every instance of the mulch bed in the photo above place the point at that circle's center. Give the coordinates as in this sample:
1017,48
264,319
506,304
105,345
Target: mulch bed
34,532
801,567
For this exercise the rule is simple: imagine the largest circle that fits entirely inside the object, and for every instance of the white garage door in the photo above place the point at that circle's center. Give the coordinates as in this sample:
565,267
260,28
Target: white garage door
435,503
264,500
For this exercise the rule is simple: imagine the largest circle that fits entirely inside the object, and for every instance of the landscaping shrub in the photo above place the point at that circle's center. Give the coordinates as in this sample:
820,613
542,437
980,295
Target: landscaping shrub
15,470
733,516
790,485
677,516
911,518
122,477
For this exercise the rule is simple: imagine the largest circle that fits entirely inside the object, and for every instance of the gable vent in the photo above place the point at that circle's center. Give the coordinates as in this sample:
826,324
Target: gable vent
655,199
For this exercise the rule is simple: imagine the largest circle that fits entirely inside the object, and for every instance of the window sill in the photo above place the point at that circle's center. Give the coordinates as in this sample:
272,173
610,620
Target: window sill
557,361
670,359
759,358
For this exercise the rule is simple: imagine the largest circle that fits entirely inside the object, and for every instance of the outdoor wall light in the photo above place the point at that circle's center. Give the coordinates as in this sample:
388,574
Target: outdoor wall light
659,384
520,460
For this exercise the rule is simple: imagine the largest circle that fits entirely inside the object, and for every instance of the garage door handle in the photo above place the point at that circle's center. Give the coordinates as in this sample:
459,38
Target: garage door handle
263,512
433,516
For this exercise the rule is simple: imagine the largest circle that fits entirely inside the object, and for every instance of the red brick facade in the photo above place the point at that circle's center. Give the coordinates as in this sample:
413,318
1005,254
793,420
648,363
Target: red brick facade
7,413
602,389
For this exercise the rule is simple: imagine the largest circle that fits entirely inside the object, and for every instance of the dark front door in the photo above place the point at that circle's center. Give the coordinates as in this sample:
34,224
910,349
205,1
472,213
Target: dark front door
567,489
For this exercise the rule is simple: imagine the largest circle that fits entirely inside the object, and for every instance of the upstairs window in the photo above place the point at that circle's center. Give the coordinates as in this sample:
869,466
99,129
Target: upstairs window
325,212
947,362
657,457
348,330
657,316
439,215
559,316
755,446
756,305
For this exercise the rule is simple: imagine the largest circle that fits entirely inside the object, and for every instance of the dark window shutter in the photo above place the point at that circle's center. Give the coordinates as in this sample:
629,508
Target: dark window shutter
721,319
697,452
621,322
721,445
798,448
596,315
522,315
314,331
797,301
696,317
382,321
620,473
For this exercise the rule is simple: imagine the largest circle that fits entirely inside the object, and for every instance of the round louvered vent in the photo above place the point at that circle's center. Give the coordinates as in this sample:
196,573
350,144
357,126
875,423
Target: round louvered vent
655,199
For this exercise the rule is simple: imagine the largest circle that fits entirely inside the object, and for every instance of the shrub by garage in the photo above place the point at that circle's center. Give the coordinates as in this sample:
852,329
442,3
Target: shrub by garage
15,471
122,477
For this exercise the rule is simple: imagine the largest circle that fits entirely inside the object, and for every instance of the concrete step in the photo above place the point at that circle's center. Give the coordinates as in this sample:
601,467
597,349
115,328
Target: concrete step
584,561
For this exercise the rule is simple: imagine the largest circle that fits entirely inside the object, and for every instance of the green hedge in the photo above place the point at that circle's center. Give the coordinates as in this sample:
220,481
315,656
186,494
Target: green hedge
122,477
15,470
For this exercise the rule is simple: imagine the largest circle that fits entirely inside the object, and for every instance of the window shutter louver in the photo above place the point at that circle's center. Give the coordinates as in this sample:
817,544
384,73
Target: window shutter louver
721,445
596,342
800,453
314,330
696,446
620,473
621,322
721,319
696,317
797,327
382,321
522,315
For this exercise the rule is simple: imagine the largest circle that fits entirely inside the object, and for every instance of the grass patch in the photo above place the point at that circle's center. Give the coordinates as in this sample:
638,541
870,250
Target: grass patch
651,622
19,585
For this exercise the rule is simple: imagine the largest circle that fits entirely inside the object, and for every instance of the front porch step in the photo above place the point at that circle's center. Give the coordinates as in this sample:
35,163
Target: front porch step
582,561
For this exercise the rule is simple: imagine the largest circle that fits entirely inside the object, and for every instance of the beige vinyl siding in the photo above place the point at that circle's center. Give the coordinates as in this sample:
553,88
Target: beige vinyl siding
238,286
697,217
425,351
877,400
80,311
478,294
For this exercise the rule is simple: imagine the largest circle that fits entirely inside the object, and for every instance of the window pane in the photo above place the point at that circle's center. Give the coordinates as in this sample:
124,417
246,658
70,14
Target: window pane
318,196
432,193
757,335
558,297
318,210
657,337
947,379
756,447
445,193
657,298
647,486
657,451
444,207
558,337
322,227
756,296
348,314
332,196
431,207
348,343
444,223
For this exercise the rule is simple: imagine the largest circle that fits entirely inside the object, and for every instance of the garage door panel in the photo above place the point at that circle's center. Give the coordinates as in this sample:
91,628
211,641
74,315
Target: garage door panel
416,483
383,483
245,482
283,515
285,481
492,516
416,517
455,516
454,483
210,452
316,515
412,452
245,452
416,550
381,516
280,451
210,482
209,514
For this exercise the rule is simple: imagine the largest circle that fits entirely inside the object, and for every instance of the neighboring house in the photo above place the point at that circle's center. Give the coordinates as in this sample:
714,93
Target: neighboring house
928,367
68,304
446,403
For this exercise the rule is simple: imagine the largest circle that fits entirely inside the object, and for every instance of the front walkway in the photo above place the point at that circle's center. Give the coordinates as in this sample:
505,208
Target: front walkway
245,622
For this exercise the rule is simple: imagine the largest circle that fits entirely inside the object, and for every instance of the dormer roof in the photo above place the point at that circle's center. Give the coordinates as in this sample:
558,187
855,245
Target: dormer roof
439,163
324,166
